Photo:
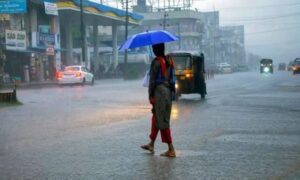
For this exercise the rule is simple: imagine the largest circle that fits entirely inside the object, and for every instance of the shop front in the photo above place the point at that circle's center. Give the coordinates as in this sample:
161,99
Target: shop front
29,66
45,53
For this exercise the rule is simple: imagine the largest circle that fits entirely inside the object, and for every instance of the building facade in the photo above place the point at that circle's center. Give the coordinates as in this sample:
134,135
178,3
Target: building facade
37,37
233,45
198,31
211,37
30,41
186,24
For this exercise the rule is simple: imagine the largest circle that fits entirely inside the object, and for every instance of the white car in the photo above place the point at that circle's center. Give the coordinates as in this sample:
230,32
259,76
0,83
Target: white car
75,75
225,68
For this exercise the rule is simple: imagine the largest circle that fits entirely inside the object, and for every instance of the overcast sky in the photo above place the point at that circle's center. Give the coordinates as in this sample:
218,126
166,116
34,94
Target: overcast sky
272,27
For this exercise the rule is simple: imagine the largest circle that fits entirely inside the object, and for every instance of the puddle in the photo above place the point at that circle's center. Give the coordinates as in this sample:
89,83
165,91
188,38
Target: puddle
286,140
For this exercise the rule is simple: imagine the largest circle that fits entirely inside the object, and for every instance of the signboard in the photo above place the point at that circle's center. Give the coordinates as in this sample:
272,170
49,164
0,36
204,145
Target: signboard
50,51
51,8
44,28
15,40
46,39
4,17
12,6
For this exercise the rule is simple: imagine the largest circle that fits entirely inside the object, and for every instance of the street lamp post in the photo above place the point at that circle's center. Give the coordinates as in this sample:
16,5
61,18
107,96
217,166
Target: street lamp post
179,35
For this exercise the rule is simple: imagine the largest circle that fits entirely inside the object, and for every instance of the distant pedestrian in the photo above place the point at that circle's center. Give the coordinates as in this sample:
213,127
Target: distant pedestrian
161,91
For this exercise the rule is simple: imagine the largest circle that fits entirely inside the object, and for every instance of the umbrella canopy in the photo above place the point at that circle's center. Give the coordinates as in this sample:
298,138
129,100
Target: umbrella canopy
148,38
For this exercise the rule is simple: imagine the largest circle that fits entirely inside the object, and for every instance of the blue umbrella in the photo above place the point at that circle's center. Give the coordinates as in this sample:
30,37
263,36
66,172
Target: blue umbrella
148,38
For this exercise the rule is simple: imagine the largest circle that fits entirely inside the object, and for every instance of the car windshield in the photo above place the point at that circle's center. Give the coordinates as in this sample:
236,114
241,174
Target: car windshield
266,61
72,68
297,62
182,62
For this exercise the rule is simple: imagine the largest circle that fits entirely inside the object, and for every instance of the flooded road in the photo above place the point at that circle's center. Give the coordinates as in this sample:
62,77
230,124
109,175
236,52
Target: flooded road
247,128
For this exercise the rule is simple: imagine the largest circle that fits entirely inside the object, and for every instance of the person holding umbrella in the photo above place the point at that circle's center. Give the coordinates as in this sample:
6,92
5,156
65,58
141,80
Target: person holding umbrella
161,89
161,85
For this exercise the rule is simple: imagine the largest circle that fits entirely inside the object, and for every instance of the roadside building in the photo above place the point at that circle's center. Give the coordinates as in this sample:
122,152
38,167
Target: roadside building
101,26
187,24
31,42
33,32
233,45
211,37
198,31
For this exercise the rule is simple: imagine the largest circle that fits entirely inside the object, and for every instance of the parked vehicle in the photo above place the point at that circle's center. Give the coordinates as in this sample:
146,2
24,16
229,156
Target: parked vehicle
266,66
225,68
296,66
75,75
189,71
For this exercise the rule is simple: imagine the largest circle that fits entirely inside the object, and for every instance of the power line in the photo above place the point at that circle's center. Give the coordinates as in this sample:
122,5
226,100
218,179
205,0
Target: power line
252,7
237,36
262,18
228,23
286,43
274,30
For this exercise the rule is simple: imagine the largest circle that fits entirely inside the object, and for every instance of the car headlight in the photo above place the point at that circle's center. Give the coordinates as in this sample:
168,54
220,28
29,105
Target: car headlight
266,69
176,86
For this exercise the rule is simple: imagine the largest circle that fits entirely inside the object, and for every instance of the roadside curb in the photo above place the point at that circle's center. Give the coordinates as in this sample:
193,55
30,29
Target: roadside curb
36,85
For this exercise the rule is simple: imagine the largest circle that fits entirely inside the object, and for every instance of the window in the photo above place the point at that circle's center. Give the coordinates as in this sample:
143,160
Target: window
182,62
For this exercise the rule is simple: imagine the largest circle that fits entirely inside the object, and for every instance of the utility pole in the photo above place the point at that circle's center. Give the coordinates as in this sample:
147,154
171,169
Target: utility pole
82,32
165,16
214,33
126,36
179,35
165,20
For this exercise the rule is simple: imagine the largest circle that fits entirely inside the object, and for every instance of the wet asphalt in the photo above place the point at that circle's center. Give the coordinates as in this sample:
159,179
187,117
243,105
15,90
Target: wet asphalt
248,127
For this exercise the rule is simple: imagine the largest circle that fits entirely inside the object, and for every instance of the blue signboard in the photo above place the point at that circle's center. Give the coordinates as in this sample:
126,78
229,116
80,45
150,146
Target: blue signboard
46,39
12,6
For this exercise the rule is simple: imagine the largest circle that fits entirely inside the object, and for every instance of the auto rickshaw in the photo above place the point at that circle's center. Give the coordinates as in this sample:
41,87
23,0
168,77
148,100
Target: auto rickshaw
189,71
296,66
266,66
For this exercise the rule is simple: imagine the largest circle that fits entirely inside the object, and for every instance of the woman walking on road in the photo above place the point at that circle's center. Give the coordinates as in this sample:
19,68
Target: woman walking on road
161,90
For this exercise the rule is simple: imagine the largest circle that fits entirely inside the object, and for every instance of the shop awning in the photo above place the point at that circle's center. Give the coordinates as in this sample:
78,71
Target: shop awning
42,49
38,49
99,10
